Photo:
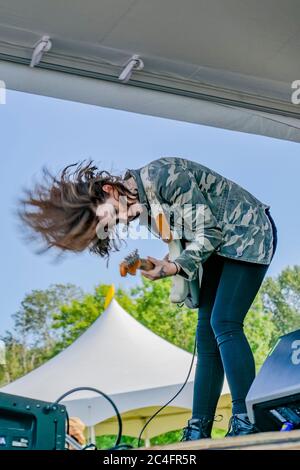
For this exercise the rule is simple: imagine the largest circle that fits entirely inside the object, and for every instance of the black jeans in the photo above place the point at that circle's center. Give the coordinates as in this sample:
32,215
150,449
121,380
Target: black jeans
228,290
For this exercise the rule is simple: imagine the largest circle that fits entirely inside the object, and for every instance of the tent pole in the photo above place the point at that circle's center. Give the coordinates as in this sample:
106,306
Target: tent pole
146,438
91,435
147,442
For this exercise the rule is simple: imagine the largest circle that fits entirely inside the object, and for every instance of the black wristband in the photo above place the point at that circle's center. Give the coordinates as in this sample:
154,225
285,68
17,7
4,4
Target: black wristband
177,267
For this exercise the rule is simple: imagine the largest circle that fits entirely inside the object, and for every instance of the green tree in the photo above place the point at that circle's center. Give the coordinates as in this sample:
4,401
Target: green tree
33,339
13,367
33,322
259,329
281,297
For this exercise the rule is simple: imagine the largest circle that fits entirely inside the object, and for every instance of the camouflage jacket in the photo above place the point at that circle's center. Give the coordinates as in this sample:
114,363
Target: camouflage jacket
235,224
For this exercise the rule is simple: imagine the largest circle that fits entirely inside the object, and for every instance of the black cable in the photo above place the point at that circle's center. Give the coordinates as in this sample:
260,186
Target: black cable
78,389
173,398
68,421
121,447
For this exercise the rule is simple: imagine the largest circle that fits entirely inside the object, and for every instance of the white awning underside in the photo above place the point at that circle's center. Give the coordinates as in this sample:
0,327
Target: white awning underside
224,63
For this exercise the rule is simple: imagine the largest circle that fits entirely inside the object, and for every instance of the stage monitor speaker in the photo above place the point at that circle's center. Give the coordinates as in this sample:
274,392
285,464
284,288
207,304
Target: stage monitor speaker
27,424
273,401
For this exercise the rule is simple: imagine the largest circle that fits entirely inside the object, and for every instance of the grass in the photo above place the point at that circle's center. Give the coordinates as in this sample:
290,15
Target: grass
105,442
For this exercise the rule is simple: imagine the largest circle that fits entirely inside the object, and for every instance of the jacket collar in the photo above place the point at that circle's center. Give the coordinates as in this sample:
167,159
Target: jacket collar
141,191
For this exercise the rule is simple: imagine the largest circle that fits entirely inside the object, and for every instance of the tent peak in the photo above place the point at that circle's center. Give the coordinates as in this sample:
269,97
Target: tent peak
109,296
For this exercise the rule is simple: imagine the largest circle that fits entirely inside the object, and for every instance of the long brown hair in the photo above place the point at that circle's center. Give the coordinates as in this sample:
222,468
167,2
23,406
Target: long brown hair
60,210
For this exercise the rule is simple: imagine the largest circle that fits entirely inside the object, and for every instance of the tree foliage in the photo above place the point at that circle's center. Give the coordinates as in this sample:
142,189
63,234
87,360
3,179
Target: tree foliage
281,296
33,338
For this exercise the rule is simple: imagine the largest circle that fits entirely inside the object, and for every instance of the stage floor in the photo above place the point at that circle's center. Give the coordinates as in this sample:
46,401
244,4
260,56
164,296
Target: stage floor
265,440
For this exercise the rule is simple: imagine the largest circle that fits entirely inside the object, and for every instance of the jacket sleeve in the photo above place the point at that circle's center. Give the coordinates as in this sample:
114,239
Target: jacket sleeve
192,215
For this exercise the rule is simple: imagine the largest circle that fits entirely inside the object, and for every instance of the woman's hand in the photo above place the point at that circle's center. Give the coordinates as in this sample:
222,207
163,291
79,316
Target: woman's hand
162,268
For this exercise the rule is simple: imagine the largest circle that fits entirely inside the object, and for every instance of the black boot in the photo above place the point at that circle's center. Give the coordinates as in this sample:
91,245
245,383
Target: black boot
197,428
239,425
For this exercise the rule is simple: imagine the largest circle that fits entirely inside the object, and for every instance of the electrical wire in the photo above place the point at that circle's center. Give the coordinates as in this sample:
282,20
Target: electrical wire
173,398
92,389
68,421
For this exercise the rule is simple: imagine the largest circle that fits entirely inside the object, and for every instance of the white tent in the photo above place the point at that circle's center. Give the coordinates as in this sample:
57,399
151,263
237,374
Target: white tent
139,370
231,64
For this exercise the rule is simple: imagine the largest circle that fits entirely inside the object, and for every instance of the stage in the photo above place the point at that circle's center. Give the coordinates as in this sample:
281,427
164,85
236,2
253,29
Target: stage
261,441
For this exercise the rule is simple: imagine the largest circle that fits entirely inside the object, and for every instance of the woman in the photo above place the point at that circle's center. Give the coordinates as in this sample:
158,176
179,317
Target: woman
235,243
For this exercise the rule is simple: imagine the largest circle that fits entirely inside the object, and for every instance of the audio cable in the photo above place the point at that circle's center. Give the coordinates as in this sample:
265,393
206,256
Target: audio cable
117,444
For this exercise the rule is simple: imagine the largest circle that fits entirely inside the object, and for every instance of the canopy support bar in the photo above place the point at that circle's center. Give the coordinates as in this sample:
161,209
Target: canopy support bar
272,107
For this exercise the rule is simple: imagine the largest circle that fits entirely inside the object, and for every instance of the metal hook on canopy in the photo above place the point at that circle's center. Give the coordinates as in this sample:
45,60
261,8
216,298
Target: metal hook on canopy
134,63
42,46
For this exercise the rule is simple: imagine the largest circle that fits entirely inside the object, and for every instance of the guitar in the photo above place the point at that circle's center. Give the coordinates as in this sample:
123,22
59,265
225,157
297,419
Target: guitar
133,262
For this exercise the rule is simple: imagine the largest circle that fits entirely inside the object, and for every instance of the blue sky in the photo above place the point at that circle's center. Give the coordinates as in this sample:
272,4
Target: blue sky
37,131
